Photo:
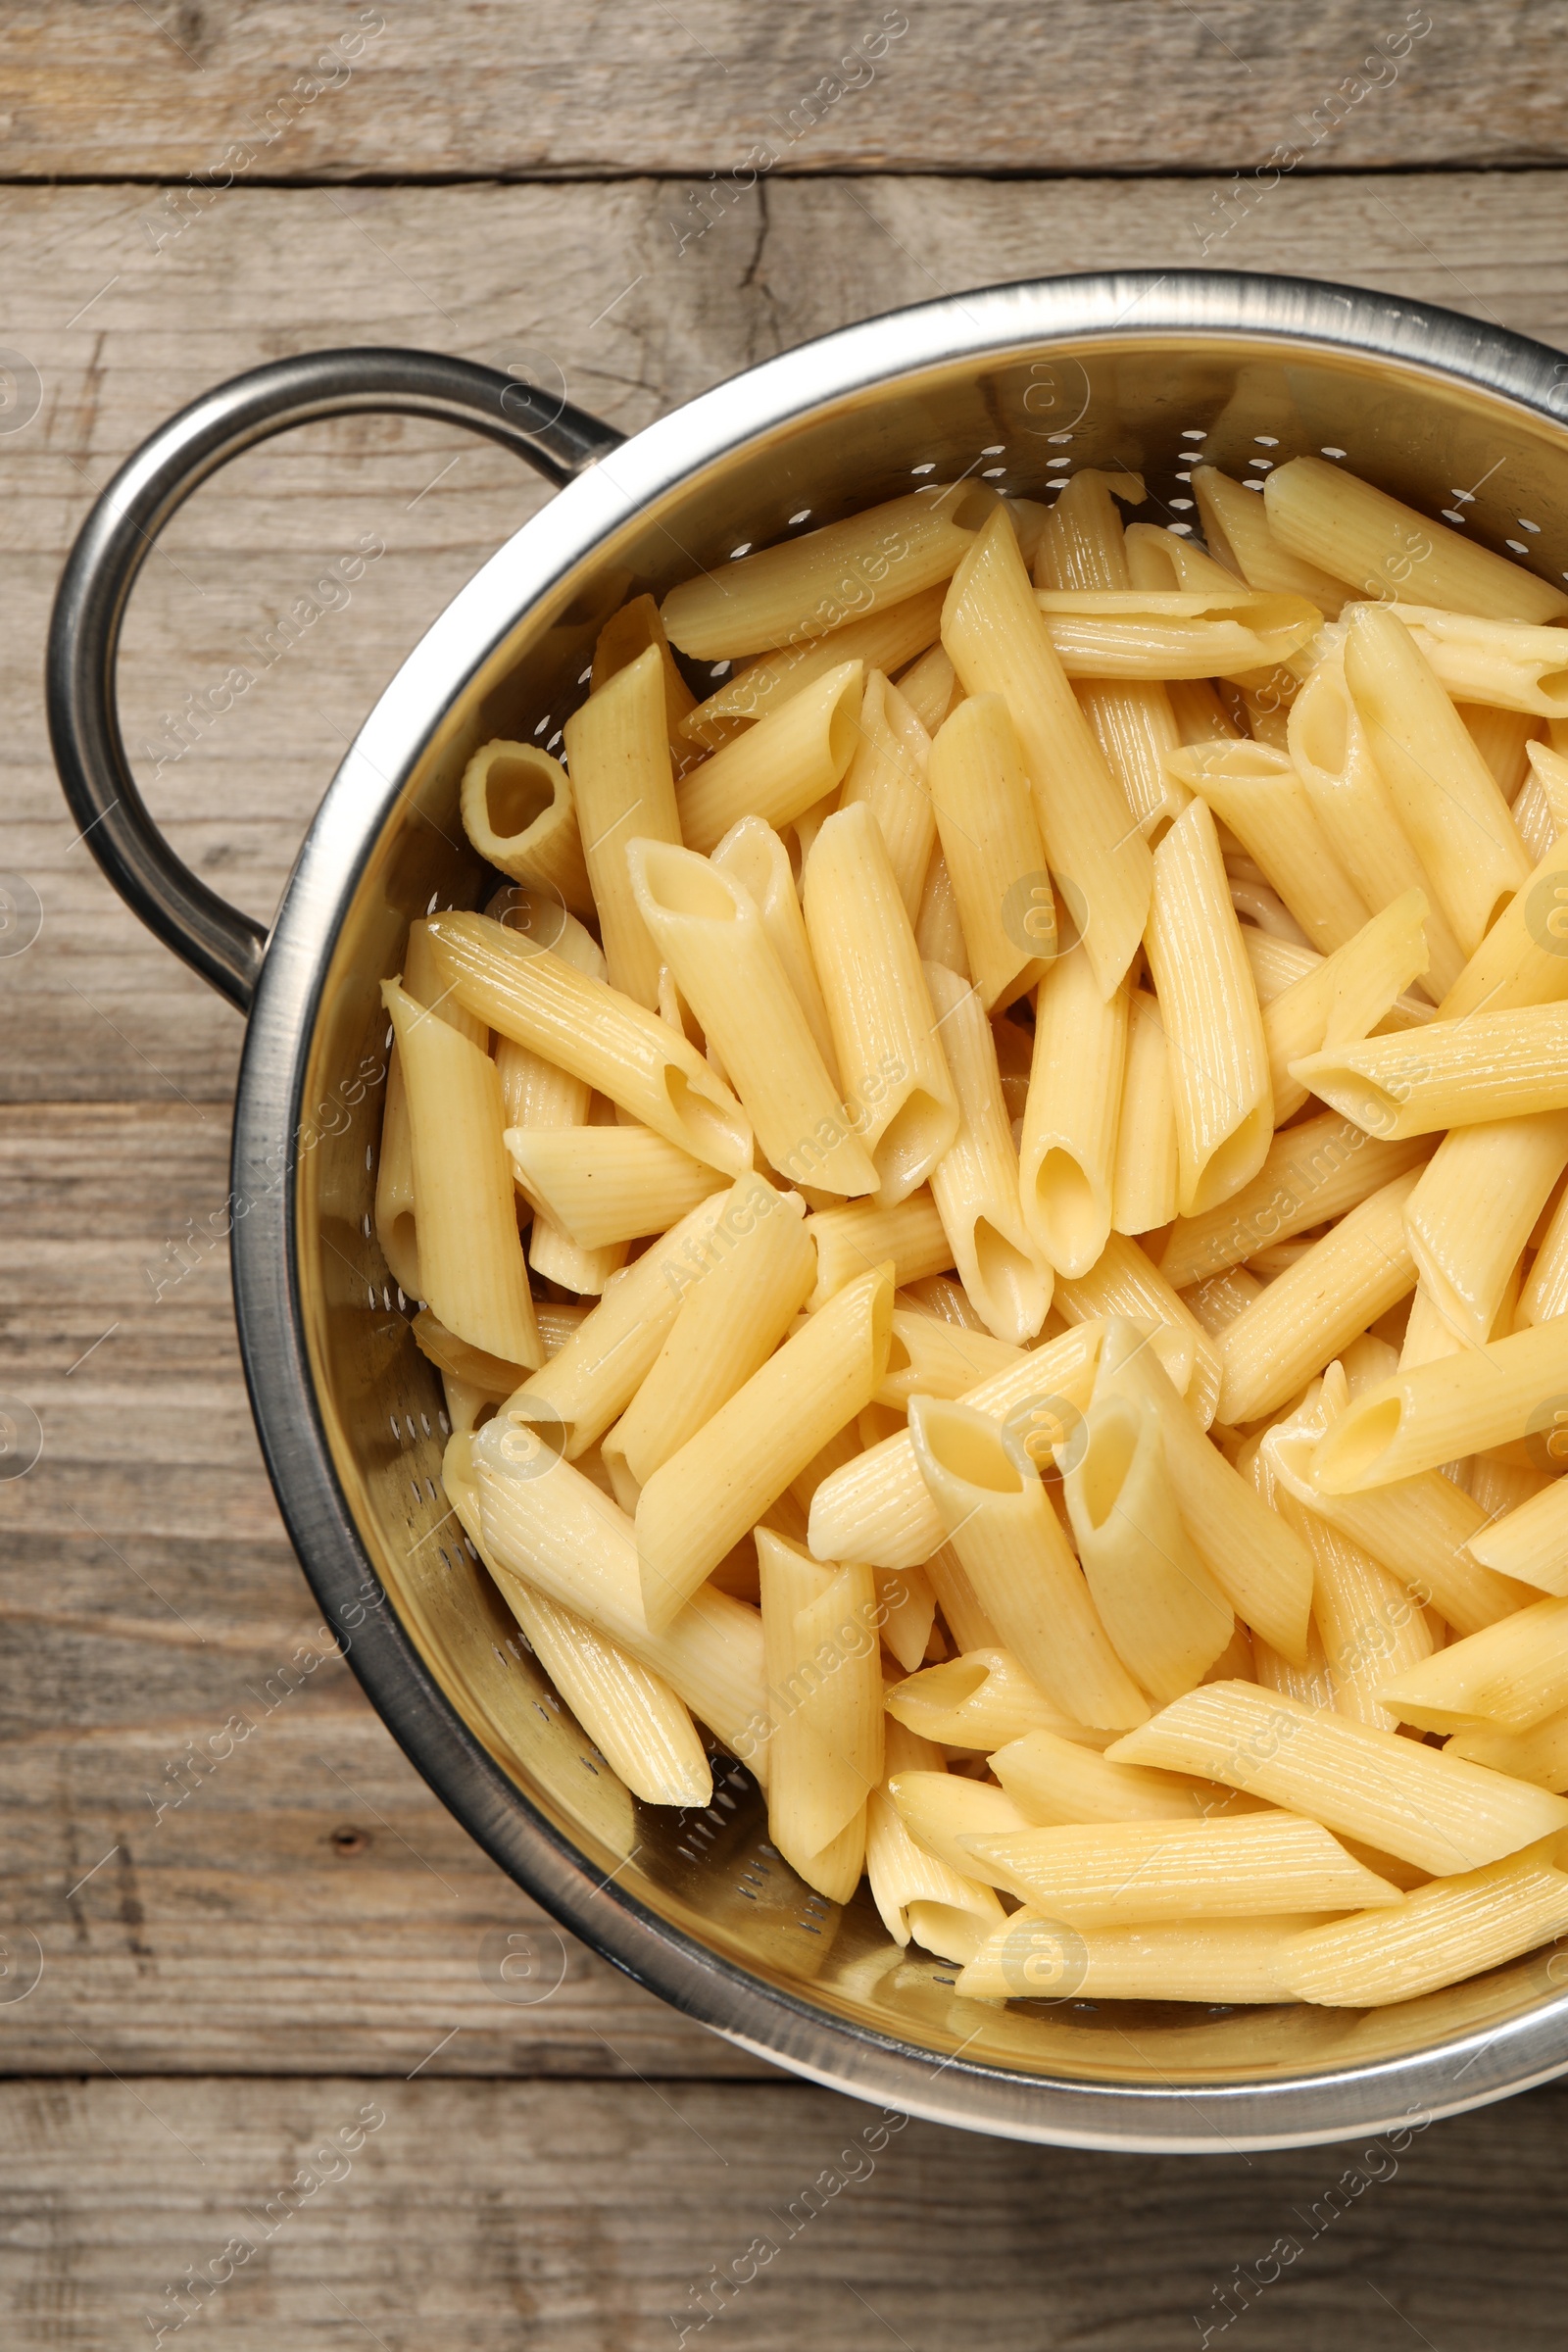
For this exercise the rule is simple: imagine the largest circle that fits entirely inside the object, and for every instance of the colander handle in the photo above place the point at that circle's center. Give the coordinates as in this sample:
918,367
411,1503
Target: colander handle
216,939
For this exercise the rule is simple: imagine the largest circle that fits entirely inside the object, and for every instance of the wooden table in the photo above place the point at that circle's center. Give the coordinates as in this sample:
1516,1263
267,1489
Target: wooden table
289,1955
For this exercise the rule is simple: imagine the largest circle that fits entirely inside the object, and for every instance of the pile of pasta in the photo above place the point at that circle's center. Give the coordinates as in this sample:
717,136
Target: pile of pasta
989,1200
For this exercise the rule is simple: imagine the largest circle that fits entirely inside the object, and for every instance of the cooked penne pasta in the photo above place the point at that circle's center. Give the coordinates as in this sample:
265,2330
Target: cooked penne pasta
1237,526
519,813
1538,1755
1513,1674
917,1897
1254,790
850,1241
619,746
1055,1781
1067,1151
1122,1282
395,1225
625,638
1146,1176
1453,1928
753,855
1437,1412
1173,633
975,1183
824,1696
1217,1055
1498,666
890,1056
1530,1542
601,1184
1104,1873
980,1701
940,1809
930,687
992,845
1489,1065
776,771
887,772
995,633
1229,1960
1377,545
1133,723
1345,996
939,926
489,1374
1314,1172
1474,1207
883,640
1369,1624
1524,957
590,1029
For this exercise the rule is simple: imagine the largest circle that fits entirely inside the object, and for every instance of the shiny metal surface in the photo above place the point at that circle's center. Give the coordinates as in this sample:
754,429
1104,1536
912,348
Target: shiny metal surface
1107,370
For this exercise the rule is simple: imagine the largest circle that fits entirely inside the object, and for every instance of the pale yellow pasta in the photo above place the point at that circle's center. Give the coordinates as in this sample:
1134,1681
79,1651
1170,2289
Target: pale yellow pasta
1101,1874
1446,796
1135,725
492,1375
1213,1027
396,1229
907,1601
887,772
753,855
1513,1674
590,1029
1419,1803
1506,665
1345,996
1524,957
1200,714
708,931
850,1241
896,1086
1437,1412
1540,1755
520,814
1380,546
1055,1781
1545,1293
627,635
1369,1625
1229,1960
938,1809
930,1357
1221,1299
1314,1172
939,926
1473,1211
996,636
708,1494
981,1699
917,1897
975,1183
1255,790
1529,1542
824,1695
930,687
601,1185
1166,1619
1082,544
471,1265
883,640
1067,1151
1451,1928
806,587
1237,526
1173,633
1123,1282
1145,1175
1489,1065
726,1328
619,746
993,1505
1329,749
776,771
992,845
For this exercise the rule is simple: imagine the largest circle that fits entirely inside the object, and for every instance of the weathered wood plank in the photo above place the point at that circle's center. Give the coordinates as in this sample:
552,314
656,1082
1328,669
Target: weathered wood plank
283,90
587,282
441,2217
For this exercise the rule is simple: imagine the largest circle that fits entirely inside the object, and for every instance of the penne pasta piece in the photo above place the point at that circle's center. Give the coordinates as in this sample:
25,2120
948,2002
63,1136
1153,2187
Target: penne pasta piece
1215,1030
1473,1209
1102,1874
619,746
939,926
1312,1683
806,587
1145,1175
753,855
908,1603
1492,668
728,1326
1133,723
996,637
1530,1542
557,1321
490,1374
850,1241
1380,546
394,1226
471,1257
1259,1564
1012,1549
878,1508
1221,1299
1229,1960
591,1030
1068,1153
707,1494
1345,996
1524,957
1174,633
1437,1412
824,1695
930,686
1082,544
1237,526
625,638
1369,1624
1545,1293
776,771
1200,714
1538,1755
917,1897
938,1809
1445,796
994,853
1489,1065
1255,790
890,1057
601,1185
520,811
1123,1282
1313,1174
1356,1273
975,1184
927,1358
1156,1600
883,640
968,1626
887,772
708,930
981,1699
1448,1930
1053,1781
1419,1803
1513,1674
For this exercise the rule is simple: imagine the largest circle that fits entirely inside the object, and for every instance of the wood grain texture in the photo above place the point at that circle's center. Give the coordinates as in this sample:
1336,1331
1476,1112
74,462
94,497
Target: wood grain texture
600,2218
280,90
584,287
